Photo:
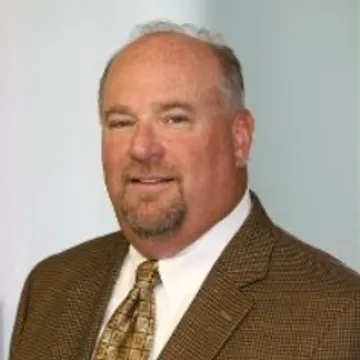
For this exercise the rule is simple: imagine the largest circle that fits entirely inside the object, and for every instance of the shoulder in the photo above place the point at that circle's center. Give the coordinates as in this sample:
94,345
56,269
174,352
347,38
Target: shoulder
297,266
310,268
79,258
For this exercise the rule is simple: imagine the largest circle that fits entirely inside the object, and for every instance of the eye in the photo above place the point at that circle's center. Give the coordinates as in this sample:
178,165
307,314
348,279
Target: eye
119,122
176,119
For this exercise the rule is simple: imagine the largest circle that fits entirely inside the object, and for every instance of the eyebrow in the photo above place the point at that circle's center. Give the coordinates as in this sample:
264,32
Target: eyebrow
118,109
165,106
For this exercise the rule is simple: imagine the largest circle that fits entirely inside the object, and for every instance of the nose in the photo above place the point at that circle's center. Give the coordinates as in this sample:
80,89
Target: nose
145,144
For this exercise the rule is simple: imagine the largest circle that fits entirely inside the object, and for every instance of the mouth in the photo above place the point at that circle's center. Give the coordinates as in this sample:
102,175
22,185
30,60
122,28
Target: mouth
150,182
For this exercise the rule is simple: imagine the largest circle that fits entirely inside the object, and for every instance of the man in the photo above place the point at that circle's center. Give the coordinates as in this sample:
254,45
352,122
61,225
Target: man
199,271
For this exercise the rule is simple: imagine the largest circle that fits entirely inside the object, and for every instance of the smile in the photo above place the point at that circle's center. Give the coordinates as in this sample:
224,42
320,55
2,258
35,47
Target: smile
150,182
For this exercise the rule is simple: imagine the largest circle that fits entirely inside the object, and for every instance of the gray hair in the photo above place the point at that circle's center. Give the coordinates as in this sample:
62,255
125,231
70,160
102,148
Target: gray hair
233,87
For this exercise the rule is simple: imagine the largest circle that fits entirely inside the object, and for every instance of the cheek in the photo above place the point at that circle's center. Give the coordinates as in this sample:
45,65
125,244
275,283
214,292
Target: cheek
195,162
211,160
113,157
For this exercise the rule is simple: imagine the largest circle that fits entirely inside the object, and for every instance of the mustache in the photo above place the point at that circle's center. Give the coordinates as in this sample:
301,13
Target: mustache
146,171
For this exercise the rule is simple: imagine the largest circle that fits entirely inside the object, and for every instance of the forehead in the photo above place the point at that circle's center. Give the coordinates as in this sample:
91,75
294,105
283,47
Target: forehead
163,65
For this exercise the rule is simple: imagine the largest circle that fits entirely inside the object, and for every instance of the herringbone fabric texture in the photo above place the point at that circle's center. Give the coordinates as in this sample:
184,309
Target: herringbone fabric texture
129,333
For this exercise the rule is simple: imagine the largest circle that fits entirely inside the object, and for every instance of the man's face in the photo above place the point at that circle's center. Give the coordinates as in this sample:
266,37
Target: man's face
170,147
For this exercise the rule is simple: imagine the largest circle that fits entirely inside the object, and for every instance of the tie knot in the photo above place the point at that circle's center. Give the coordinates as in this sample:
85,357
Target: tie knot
147,274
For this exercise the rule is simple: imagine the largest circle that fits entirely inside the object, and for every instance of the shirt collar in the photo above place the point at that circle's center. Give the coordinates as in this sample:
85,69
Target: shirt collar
183,274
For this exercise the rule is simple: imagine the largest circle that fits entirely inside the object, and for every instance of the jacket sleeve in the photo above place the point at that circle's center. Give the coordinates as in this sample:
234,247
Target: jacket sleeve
342,340
20,318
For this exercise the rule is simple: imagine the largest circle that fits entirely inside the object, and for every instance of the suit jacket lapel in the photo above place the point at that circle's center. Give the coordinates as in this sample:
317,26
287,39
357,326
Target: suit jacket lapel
221,304
215,312
86,301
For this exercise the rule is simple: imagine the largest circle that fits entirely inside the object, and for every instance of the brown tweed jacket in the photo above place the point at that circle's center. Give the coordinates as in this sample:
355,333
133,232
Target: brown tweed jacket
269,296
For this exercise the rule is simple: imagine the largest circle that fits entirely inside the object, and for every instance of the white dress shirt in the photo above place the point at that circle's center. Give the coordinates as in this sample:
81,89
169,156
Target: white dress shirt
181,275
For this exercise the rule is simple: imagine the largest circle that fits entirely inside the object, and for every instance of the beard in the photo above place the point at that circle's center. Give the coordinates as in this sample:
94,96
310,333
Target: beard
154,213
162,221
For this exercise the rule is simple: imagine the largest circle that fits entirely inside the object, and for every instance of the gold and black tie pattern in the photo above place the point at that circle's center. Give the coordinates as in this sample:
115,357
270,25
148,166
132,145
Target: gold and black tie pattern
129,334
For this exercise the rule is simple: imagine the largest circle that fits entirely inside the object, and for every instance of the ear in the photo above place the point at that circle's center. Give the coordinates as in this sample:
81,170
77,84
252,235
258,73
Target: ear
243,129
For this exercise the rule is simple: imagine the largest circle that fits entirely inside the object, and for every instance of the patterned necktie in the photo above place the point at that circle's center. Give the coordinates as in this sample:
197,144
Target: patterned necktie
130,332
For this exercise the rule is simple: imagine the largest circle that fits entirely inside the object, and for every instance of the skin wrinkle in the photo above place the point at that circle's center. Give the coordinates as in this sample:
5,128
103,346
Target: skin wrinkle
170,58
202,154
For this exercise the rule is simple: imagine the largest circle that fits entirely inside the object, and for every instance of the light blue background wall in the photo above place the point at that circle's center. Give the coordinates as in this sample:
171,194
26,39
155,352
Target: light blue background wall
302,66
301,63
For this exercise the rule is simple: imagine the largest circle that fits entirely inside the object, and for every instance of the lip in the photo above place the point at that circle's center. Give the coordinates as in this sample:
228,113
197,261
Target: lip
150,182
